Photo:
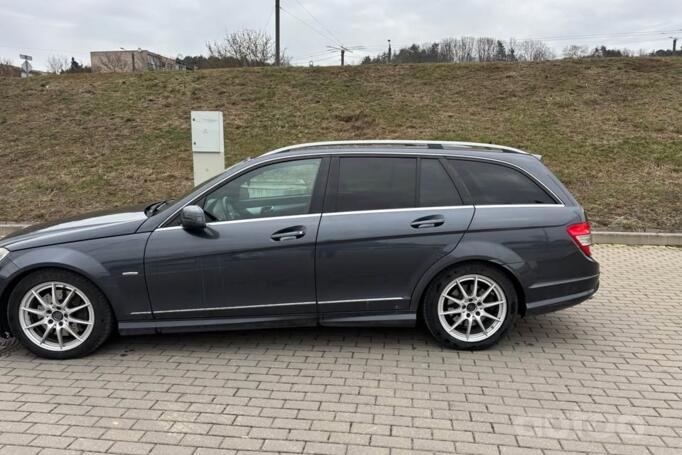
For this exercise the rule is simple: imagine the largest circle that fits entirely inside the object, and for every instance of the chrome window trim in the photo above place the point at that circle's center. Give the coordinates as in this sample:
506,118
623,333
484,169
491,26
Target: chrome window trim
529,206
349,152
367,212
249,220
406,209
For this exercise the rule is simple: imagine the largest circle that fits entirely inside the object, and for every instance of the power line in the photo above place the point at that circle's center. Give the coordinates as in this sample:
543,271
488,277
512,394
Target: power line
331,34
307,25
19,48
272,13
599,35
643,35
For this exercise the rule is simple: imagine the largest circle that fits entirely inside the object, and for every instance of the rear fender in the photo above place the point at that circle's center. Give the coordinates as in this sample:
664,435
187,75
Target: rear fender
473,251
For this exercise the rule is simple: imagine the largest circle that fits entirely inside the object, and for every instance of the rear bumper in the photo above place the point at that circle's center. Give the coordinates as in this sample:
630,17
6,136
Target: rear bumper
565,294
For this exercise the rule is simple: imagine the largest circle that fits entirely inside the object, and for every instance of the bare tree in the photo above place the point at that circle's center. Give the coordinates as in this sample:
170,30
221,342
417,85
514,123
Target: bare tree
575,51
485,49
57,64
249,47
447,49
464,49
533,51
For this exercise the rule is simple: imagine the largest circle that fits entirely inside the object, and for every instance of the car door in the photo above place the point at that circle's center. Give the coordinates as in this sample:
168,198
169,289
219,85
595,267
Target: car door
256,255
386,220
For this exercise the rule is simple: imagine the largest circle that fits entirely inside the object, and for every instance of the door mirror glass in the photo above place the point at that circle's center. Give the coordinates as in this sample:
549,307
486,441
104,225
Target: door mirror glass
193,218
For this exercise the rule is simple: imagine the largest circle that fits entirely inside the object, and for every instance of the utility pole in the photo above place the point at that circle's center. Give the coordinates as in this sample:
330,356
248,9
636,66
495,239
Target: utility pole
674,45
343,55
389,51
276,32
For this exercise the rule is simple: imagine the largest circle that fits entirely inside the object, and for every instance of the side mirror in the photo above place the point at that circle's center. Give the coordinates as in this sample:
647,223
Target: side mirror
193,218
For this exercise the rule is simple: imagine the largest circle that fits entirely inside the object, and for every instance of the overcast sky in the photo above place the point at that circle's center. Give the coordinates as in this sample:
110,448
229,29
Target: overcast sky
182,27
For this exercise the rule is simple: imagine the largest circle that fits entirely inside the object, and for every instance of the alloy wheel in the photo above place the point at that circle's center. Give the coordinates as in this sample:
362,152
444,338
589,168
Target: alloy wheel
472,308
56,316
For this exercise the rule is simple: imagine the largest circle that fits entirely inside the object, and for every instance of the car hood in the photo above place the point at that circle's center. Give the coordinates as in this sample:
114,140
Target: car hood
90,226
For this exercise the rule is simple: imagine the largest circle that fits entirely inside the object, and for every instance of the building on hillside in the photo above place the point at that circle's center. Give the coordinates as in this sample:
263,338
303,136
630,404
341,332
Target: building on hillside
131,61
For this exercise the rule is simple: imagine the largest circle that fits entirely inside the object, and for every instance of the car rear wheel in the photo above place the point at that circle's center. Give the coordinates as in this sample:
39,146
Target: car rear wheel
470,307
58,314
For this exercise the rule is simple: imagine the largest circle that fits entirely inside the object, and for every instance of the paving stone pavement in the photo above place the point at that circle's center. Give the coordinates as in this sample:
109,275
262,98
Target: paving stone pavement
602,377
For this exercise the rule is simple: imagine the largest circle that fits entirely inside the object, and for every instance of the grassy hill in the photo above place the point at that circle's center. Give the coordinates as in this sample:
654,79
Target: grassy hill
610,129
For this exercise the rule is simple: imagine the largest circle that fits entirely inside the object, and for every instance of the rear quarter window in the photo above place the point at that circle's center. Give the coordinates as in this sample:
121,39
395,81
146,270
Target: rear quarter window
435,187
491,183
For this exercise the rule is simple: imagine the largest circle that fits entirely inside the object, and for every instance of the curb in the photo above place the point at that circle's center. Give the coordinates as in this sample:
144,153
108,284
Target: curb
638,238
6,229
598,237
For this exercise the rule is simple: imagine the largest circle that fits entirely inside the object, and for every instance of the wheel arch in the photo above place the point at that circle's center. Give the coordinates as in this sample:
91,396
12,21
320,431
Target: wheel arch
15,279
432,274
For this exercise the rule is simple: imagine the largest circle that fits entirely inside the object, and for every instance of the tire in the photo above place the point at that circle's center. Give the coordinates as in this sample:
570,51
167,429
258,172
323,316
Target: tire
32,312
449,318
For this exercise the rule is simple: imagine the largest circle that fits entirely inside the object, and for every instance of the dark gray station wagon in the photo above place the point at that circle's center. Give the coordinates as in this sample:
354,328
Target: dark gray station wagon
462,235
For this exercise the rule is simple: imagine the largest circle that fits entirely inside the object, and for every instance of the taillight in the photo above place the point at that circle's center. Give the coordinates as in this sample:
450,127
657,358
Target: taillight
582,236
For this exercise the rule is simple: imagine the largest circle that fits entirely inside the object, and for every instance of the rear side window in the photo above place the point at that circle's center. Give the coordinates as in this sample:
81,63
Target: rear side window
369,183
435,187
491,183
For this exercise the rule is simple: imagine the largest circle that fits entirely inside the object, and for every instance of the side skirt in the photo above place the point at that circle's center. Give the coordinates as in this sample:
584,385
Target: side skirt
214,324
368,320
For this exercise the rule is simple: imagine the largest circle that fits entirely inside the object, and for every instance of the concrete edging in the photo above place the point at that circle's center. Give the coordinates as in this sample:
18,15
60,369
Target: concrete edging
598,237
8,228
638,238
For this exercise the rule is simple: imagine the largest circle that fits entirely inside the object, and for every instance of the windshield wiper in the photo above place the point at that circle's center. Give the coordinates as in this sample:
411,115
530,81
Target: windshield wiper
152,209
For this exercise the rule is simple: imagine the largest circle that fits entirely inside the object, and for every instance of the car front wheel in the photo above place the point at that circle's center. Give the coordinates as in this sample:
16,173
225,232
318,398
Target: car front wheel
58,314
470,307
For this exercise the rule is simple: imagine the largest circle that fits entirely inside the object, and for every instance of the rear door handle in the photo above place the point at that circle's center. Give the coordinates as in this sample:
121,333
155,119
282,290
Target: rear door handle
428,221
290,233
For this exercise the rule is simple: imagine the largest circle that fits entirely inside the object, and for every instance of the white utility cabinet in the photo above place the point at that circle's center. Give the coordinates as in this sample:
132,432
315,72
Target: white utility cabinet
208,144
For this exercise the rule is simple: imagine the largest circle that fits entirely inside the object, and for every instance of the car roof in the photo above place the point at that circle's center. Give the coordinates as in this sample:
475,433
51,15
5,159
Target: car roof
511,157
383,146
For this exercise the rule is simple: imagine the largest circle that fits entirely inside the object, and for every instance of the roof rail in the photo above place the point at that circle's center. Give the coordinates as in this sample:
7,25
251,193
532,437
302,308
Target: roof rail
430,144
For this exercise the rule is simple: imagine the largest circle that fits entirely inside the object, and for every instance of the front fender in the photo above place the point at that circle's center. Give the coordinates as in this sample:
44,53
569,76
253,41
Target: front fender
114,265
61,256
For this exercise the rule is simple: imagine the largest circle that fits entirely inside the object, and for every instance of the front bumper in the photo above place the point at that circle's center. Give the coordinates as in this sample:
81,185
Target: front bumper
7,270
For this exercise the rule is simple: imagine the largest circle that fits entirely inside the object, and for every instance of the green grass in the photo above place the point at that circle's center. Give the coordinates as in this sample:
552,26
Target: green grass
610,129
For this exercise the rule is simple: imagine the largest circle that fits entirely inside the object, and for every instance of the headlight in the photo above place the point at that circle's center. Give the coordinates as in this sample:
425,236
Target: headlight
3,253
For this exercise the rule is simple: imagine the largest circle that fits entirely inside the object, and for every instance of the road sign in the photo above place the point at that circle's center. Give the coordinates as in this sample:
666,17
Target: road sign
26,69
25,57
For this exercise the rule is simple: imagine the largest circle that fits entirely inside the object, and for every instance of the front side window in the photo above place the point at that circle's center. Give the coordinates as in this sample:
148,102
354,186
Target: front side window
491,183
375,183
280,189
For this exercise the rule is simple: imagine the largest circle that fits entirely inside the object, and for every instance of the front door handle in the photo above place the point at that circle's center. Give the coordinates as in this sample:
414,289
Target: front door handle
290,233
428,221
